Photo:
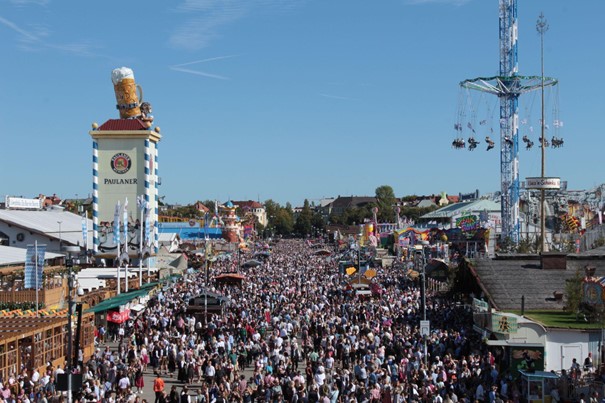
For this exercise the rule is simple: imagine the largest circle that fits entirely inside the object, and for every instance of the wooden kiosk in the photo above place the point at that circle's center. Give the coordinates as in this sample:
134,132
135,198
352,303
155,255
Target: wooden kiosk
34,342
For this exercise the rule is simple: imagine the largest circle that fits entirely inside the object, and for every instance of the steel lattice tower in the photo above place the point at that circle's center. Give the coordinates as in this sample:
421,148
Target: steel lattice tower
508,86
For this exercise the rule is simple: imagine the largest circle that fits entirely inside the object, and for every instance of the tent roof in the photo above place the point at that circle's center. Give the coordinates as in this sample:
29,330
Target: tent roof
10,255
459,208
180,262
46,222
118,300
252,263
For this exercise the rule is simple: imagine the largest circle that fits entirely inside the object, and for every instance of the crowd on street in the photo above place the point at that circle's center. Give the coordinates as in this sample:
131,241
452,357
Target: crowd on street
293,331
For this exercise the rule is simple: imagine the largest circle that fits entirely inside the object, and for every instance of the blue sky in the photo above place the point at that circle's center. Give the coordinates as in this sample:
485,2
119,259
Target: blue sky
289,99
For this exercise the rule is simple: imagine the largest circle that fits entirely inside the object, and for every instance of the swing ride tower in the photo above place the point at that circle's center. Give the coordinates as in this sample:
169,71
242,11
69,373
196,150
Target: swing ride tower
508,86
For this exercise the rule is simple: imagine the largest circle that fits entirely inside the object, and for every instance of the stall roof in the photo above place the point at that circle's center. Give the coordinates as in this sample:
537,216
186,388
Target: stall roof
539,374
117,301
507,343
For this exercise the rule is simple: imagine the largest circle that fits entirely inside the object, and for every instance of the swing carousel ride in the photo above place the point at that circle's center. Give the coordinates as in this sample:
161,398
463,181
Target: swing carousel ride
475,120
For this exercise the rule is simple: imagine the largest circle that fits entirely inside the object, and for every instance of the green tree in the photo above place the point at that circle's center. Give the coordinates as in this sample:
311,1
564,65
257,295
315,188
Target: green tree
211,204
385,200
284,222
336,219
356,215
318,221
573,293
271,208
280,219
303,223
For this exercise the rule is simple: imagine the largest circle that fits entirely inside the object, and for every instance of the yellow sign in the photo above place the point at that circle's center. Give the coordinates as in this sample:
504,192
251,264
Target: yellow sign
504,324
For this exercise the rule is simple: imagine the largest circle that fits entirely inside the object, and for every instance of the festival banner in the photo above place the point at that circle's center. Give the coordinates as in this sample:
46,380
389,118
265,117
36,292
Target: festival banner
116,226
34,266
84,231
504,324
125,224
467,223
521,356
147,225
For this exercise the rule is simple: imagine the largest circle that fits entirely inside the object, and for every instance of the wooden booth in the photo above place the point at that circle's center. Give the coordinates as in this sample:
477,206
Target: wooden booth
33,342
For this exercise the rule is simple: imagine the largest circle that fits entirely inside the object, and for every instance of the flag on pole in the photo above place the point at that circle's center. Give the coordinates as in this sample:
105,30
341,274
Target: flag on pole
125,223
85,231
34,265
206,215
141,207
116,226
141,202
147,225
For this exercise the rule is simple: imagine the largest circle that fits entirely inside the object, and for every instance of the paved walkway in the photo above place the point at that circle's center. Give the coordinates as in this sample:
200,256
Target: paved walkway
149,377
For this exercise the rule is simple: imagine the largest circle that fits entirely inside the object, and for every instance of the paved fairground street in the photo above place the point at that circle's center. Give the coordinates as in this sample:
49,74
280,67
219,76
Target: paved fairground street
302,333
298,327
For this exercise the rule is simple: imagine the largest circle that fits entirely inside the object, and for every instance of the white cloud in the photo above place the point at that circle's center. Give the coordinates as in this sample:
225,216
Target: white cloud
30,2
27,35
181,67
35,39
208,17
198,33
197,72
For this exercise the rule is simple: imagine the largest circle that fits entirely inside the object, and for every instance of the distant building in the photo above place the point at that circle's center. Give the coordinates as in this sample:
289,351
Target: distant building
338,206
255,208
321,207
199,206
480,212
170,241
53,227
426,203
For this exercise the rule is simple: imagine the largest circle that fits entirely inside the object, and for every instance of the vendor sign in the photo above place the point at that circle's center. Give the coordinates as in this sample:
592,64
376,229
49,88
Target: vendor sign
467,223
118,317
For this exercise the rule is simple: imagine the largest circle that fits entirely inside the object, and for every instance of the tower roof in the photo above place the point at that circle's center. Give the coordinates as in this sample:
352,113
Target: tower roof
122,124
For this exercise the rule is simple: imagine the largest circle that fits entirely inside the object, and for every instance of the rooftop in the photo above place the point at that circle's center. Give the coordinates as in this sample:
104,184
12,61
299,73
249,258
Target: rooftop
506,281
47,222
16,256
459,208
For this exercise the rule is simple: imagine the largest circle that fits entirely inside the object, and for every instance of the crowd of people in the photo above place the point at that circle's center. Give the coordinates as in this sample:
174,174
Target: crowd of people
293,331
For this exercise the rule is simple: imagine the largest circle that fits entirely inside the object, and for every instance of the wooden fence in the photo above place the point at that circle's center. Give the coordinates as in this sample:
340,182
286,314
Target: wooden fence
51,298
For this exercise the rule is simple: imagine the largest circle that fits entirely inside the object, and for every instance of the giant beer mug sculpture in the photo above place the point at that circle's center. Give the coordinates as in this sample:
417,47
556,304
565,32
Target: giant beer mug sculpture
128,101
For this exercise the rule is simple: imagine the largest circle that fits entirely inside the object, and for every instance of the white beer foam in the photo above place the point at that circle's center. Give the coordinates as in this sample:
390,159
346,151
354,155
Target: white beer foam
117,75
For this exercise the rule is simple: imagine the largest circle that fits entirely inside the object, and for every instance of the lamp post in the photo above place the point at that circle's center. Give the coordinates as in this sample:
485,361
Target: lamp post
141,205
70,286
422,261
206,283
359,253
542,27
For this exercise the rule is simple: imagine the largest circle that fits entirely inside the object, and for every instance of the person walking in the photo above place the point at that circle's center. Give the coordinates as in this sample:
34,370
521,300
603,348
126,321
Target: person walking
158,388
139,381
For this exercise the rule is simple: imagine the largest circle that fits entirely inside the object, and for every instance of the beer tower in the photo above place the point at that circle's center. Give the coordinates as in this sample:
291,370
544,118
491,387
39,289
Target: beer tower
125,170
